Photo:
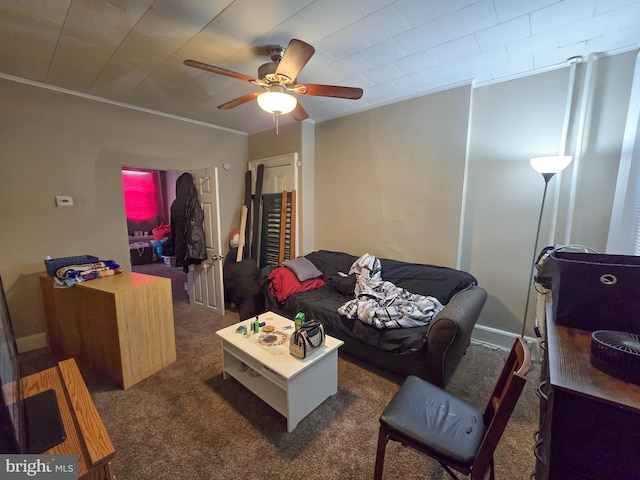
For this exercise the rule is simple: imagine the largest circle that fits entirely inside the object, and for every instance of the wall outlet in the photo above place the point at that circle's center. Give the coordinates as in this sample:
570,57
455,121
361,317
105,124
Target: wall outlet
64,201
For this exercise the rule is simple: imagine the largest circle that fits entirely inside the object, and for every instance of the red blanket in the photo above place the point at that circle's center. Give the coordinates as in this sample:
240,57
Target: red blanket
283,282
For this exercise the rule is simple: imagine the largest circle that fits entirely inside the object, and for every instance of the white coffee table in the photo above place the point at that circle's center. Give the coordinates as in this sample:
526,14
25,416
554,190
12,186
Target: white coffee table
294,387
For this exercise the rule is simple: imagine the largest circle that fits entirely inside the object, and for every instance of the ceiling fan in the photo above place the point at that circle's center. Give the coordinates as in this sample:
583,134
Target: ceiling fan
277,78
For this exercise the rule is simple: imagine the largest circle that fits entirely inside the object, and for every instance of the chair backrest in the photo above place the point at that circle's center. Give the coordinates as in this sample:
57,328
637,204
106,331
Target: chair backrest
501,404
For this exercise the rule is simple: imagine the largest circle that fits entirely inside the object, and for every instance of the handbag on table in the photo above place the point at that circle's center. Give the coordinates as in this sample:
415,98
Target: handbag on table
307,338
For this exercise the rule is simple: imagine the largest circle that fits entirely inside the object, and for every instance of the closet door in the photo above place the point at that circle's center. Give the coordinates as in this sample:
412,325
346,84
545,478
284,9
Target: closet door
280,175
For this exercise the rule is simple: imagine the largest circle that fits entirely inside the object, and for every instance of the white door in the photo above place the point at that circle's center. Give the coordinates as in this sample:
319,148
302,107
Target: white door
206,289
280,175
277,179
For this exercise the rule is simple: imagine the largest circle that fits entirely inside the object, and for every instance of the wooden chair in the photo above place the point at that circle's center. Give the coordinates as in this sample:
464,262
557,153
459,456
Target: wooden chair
457,435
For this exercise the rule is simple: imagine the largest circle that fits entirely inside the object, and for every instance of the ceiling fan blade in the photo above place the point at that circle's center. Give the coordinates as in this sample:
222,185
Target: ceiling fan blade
299,113
239,101
296,56
351,93
221,71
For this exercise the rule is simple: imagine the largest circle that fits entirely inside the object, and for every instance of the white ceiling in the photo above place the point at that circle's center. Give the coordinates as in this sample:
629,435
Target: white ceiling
131,51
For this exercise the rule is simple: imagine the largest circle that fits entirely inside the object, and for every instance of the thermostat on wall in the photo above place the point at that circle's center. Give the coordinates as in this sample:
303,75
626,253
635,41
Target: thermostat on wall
64,201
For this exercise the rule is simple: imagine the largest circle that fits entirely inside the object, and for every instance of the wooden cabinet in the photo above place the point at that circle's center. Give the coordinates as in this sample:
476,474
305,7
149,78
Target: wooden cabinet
120,326
86,435
589,420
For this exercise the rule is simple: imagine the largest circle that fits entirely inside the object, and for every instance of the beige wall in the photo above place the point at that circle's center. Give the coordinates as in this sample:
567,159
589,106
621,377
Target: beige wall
389,181
266,144
58,144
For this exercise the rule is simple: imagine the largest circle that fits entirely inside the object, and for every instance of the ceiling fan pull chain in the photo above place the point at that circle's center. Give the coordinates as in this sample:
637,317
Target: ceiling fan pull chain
274,119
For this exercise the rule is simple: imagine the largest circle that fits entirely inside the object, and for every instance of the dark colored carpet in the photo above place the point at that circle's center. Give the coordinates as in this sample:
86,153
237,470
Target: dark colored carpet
185,422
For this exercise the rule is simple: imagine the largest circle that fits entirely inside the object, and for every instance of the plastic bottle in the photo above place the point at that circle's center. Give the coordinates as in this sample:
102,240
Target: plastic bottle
299,320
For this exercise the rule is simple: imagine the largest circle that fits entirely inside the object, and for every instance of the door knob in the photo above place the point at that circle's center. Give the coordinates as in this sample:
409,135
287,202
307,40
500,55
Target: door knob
215,258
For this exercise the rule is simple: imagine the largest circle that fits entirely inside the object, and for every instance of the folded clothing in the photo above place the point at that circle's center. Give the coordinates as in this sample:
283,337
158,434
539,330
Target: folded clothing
72,274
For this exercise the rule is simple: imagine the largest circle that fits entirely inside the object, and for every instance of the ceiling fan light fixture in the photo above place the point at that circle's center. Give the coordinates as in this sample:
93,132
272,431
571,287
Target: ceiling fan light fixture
277,103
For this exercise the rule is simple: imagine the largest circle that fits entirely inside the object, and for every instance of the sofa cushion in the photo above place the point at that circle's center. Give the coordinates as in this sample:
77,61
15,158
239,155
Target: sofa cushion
303,268
423,279
440,282
394,340
343,285
331,262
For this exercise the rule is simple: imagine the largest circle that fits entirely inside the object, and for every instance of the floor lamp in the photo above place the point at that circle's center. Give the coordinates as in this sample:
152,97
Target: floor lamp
547,167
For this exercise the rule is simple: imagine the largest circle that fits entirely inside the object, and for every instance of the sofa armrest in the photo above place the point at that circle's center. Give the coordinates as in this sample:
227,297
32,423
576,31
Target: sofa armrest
450,331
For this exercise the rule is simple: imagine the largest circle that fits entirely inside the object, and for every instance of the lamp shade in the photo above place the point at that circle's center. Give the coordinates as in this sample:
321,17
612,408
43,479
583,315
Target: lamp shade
277,102
551,164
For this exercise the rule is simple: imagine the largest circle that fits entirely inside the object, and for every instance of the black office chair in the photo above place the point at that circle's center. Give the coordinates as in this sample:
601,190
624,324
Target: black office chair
457,435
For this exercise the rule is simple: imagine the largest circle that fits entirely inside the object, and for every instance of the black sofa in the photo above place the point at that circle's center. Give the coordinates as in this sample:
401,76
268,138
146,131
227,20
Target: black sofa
431,352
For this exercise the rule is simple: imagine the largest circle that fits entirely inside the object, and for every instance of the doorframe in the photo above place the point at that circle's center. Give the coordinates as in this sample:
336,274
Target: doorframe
290,159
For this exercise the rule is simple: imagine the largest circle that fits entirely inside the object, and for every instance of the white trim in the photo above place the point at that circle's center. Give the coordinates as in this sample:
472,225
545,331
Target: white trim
465,182
116,103
583,117
621,230
32,342
441,88
502,339
562,151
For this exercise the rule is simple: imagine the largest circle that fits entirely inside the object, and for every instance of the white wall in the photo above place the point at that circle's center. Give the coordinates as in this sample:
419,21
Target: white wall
511,122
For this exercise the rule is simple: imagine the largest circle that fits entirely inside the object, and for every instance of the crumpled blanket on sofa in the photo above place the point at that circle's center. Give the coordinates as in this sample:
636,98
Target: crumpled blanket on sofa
382,304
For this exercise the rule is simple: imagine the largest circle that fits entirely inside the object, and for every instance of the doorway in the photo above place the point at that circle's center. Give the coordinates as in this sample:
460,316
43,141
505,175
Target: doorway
148,195
280,175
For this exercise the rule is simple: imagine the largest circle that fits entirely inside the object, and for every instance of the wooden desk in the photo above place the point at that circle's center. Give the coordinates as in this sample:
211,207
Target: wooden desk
120,326
589,420
87,436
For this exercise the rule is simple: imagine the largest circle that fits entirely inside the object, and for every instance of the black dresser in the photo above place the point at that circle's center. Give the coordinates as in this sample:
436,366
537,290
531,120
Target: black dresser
589,421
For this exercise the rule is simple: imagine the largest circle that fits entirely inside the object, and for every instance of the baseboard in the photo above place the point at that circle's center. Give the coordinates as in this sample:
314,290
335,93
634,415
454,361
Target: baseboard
32,342
481,334
502,339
